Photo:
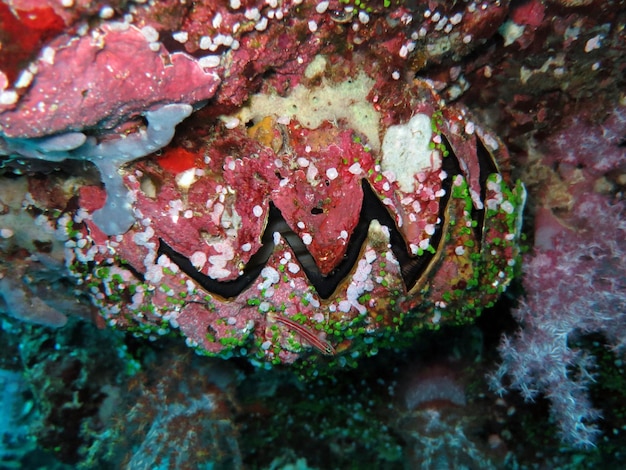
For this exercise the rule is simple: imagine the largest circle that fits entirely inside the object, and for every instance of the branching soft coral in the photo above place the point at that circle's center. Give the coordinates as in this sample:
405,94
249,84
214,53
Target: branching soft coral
575,283
577,287
598,148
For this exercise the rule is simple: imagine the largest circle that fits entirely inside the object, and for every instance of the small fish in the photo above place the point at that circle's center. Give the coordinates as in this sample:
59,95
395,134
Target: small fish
322,345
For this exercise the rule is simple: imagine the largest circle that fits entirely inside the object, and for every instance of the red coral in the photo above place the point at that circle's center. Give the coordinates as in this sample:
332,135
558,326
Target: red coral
22,33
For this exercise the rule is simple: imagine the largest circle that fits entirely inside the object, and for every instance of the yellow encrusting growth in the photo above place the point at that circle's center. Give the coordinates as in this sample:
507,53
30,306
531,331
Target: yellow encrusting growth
327,102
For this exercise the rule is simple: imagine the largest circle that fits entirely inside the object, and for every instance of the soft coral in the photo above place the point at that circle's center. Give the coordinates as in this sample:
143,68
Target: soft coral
575,278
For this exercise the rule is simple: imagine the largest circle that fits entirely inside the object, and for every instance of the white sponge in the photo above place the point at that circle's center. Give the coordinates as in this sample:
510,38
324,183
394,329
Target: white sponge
406,151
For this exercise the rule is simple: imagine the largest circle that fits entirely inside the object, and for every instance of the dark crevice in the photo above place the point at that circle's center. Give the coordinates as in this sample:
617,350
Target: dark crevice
411,266
227,289
372,208
133,271
487,167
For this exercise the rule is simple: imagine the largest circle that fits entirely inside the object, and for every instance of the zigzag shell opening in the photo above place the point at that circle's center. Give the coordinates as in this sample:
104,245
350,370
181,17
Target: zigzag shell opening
276,237
376,228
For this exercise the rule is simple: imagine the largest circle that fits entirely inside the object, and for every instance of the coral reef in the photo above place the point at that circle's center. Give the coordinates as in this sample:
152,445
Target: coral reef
181,419
15,408
435,422
339,208
302,182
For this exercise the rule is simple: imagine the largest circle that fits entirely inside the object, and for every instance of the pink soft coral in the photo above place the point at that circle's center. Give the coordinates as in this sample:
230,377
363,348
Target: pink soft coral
575,281
576,287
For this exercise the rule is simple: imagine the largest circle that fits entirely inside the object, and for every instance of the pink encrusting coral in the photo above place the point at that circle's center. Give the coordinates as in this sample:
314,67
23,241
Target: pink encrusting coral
117,73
